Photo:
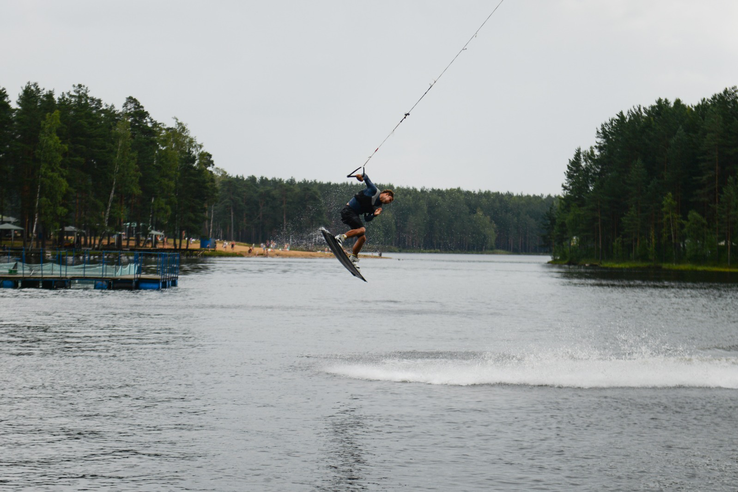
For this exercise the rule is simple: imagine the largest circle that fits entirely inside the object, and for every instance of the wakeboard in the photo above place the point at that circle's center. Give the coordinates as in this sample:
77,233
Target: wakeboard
340,254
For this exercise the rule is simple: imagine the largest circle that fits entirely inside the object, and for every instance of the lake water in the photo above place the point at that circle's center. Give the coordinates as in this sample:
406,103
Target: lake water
443,372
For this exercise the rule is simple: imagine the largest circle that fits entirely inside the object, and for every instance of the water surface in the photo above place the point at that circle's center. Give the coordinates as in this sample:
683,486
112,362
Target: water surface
443,372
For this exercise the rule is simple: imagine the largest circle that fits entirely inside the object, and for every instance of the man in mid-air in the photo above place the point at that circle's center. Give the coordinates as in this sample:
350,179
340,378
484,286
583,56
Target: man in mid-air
368,202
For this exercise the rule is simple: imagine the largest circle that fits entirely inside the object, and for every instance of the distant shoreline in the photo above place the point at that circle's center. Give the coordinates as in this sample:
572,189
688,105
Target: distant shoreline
625,265
243,250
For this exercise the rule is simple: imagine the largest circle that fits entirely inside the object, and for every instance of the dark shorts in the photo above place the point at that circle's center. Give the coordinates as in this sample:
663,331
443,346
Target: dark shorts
351,218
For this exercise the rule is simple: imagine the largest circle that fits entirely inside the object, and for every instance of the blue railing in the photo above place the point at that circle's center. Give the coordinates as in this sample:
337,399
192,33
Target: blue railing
40,264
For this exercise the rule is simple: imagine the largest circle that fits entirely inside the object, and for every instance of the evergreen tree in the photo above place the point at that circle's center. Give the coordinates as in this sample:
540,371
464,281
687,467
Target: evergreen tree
124,173
729,212
6,140
146,202
671,225
696,232
52,184
32,106
87,126
649,170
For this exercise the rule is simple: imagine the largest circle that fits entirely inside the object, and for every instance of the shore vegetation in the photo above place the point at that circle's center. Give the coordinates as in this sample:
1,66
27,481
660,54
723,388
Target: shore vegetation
659,187
79,172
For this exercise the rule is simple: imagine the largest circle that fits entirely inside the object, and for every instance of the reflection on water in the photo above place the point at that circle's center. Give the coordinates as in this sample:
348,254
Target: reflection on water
636,277
345,459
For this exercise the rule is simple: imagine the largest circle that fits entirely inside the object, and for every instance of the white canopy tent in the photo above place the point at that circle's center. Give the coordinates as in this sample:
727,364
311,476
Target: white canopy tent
154,236
6,226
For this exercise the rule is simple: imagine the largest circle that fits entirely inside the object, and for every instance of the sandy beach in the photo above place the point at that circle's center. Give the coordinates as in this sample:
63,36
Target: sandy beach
245,250
256,251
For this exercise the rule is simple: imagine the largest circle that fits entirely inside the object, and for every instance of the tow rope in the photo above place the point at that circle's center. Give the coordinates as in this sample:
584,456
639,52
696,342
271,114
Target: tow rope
404,117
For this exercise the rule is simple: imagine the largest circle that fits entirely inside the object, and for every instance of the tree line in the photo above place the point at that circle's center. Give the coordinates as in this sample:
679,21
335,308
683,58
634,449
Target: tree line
72,160
256,210
659,185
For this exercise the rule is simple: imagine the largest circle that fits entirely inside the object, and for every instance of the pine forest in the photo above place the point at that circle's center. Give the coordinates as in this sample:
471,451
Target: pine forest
658,186
74,162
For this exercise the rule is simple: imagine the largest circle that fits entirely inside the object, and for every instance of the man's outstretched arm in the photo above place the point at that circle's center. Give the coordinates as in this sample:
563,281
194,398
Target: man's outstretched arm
371,188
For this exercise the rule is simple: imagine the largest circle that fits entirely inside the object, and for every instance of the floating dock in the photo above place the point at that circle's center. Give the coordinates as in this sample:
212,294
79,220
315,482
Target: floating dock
104,270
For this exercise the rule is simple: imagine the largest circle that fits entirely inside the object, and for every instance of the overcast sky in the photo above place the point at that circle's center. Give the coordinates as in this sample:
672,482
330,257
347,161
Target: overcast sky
308,89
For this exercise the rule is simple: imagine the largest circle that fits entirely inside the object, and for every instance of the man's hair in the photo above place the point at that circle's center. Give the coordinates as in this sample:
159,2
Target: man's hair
390,193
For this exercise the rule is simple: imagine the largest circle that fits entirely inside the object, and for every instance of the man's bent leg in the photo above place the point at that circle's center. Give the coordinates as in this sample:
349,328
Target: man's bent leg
359,243
356,232
352,233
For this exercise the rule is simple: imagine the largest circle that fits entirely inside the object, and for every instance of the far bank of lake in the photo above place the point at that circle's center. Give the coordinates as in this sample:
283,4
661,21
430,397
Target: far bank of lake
634,265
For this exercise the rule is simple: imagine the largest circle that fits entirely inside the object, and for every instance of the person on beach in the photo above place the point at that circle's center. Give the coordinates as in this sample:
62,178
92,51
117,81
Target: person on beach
367,202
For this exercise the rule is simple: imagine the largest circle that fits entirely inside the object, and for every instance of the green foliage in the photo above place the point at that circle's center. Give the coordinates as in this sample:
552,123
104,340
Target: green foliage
87,125
6,139
483,232
106,171
636,194
696,233
190,166
671,230
125,175
729,213
74,160
32,106
52,177
256,210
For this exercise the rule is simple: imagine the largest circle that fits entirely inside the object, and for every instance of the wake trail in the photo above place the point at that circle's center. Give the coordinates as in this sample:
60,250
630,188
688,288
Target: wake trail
555,369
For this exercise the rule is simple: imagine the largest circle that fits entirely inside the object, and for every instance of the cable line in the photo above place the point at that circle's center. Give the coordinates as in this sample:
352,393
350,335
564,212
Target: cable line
404,117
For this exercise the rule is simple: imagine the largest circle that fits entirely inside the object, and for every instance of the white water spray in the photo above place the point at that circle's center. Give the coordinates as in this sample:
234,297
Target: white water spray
562,368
